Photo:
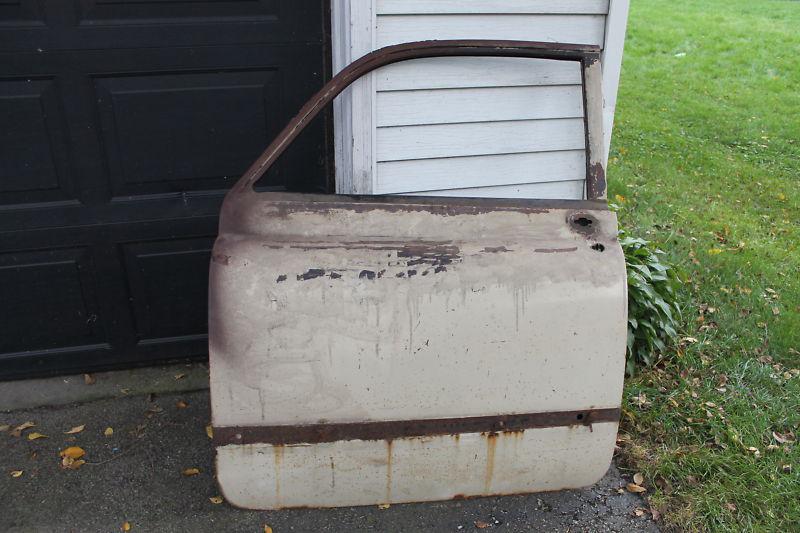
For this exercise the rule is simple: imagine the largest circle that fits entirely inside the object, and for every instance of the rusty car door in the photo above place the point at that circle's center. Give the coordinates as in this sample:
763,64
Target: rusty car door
372,350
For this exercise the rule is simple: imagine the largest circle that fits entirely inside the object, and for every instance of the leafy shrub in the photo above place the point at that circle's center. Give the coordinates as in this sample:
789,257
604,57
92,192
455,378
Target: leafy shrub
653,311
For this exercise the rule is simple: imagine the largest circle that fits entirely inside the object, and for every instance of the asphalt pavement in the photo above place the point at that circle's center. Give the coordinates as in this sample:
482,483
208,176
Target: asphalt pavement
135,477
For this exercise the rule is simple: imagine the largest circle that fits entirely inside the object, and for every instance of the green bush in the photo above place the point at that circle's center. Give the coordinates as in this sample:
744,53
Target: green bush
653,311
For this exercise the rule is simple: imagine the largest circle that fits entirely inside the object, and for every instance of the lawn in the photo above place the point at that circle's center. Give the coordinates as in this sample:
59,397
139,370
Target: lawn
705,162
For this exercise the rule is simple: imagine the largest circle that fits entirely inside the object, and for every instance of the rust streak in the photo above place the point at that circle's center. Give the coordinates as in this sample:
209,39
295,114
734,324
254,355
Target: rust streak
491,447
389,444
391,429
555,250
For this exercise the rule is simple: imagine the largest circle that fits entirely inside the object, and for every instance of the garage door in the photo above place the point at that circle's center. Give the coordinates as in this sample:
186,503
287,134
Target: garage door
122,124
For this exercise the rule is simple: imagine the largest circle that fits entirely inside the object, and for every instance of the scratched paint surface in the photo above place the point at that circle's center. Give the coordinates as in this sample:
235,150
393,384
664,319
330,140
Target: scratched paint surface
351,314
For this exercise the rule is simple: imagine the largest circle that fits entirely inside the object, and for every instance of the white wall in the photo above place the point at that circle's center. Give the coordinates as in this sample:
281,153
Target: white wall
505,127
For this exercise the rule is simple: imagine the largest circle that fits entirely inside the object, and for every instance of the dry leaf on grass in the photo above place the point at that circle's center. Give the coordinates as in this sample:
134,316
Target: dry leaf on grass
109,431
17,431
34,435
783,438
89,379
76,429
638,478
16,473
190,472
633,487
215,499
210,431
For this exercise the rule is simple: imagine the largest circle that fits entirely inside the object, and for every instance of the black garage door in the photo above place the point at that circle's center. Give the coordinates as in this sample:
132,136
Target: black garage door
122,124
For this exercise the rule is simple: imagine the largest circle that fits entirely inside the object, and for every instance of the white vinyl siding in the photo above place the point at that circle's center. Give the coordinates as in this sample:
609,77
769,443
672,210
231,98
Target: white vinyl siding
470,126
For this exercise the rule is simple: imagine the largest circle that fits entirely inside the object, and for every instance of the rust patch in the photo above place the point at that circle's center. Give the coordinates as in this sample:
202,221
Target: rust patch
393,429
311,274
583,223
496,249
555,250
596,181
221,258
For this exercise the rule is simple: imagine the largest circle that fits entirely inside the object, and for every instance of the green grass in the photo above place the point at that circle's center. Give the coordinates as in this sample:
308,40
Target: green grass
706,154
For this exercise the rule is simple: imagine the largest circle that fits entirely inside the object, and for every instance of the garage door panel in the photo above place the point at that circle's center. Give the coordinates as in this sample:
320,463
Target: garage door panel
165,279
124,124
176,11
184,131
49,301
33,141
20,13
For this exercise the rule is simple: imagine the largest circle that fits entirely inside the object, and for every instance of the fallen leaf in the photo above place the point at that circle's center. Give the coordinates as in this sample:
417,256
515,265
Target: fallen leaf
72,464
383,506
89,379
210,431
190,472
76,429
480,524
179,376
108,432
755,451
16,473
633,487
786,469
34,435
776,311
180,404
638,478
126,526
215,499
655,514
639,511
783,438
17,431
73,452
267,529
731,507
